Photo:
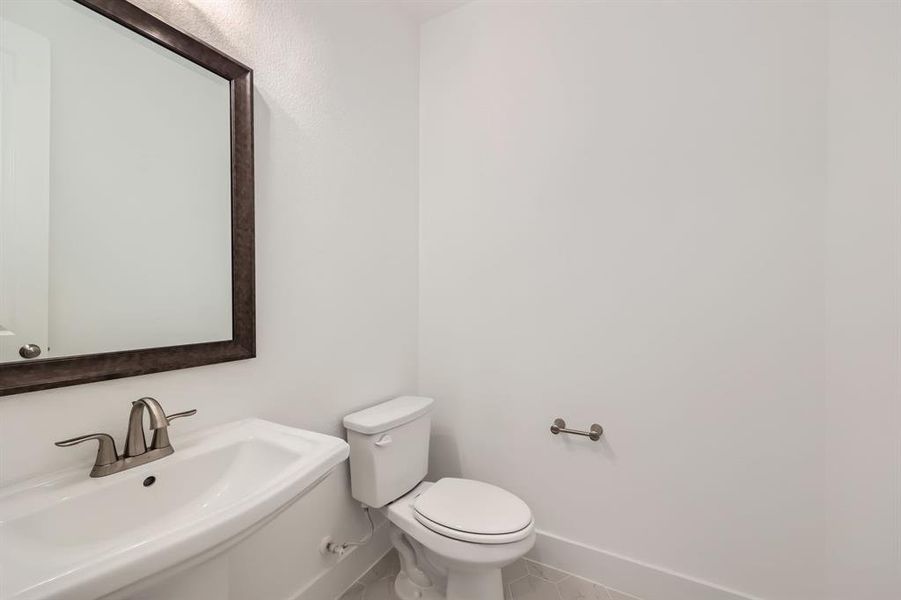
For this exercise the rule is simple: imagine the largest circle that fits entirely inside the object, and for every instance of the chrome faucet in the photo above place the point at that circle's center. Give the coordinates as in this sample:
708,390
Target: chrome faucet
136,451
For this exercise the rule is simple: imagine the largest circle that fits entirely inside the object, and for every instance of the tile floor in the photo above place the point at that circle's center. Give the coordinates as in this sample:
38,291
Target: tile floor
523,580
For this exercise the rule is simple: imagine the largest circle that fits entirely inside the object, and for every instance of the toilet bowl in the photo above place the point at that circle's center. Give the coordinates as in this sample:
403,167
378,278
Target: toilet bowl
454,535
465,563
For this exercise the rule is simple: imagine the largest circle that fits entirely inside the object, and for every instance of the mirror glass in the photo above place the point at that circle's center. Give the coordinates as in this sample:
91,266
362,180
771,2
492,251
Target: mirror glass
115,189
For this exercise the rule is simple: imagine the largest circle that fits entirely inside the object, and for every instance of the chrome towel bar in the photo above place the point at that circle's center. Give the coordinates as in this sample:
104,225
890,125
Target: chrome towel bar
594,432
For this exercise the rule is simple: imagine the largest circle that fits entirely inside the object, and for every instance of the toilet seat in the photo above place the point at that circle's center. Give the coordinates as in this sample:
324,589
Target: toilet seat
473,511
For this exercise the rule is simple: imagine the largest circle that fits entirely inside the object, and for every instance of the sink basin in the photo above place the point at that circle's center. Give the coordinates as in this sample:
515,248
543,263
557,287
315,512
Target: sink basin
69,536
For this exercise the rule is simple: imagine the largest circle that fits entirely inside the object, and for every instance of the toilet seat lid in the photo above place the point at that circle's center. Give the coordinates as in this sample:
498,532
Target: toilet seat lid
472,507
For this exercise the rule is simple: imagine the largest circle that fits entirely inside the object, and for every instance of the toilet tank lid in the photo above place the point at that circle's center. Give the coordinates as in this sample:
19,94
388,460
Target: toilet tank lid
388,415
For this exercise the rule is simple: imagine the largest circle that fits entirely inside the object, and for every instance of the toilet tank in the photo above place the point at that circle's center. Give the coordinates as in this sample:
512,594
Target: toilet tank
389,449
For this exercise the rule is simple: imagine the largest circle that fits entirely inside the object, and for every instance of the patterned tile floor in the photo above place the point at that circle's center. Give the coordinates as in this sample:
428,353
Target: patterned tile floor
523,580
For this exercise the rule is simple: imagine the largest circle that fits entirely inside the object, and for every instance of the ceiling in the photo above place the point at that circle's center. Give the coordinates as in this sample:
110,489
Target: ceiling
423,10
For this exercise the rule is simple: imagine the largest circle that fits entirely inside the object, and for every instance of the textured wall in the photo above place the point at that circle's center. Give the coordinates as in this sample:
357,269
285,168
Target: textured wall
681,220
863,284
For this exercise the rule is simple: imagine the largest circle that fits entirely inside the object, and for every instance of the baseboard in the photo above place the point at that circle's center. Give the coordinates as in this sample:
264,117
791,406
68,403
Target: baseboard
618,572
612,570
332,583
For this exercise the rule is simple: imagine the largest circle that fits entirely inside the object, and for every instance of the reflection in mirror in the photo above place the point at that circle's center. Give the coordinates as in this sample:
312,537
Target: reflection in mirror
115,213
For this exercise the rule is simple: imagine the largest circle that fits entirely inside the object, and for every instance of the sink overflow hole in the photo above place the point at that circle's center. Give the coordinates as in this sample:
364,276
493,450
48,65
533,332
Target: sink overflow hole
149,481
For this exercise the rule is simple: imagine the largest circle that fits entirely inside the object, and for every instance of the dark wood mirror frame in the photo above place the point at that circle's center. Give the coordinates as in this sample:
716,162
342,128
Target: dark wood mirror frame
17,377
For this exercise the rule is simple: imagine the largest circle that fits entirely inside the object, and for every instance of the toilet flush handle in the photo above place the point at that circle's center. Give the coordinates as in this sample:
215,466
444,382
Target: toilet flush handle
383,441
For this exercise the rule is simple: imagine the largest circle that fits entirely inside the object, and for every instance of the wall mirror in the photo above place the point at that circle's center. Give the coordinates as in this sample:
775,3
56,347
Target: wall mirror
126,196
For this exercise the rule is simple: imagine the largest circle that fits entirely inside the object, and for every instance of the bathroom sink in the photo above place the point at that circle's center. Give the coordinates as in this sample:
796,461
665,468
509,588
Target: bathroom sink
69,536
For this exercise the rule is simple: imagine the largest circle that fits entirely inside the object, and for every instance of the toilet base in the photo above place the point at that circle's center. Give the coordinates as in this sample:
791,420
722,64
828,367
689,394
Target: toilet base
420,579
460,586
407,590
467,586
474,585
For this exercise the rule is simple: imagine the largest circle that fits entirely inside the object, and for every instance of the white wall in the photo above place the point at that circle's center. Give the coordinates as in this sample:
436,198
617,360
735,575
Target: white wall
623,209
863,327
336,182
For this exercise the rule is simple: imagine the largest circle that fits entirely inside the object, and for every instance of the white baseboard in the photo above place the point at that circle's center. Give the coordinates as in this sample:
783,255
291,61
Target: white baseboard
618,572
332,583
612,570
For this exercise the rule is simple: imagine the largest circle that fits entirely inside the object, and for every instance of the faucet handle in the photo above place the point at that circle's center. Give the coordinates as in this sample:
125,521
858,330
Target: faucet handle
106,451
161,436
187,413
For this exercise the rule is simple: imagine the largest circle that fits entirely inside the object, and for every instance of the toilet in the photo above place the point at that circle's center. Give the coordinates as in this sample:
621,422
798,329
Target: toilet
454,535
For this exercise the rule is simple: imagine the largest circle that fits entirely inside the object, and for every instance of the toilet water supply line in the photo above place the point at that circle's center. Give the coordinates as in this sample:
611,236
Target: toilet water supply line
330,547
404,549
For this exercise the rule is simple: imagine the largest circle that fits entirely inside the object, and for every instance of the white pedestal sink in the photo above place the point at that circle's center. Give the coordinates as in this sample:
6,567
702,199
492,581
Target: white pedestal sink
69,536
